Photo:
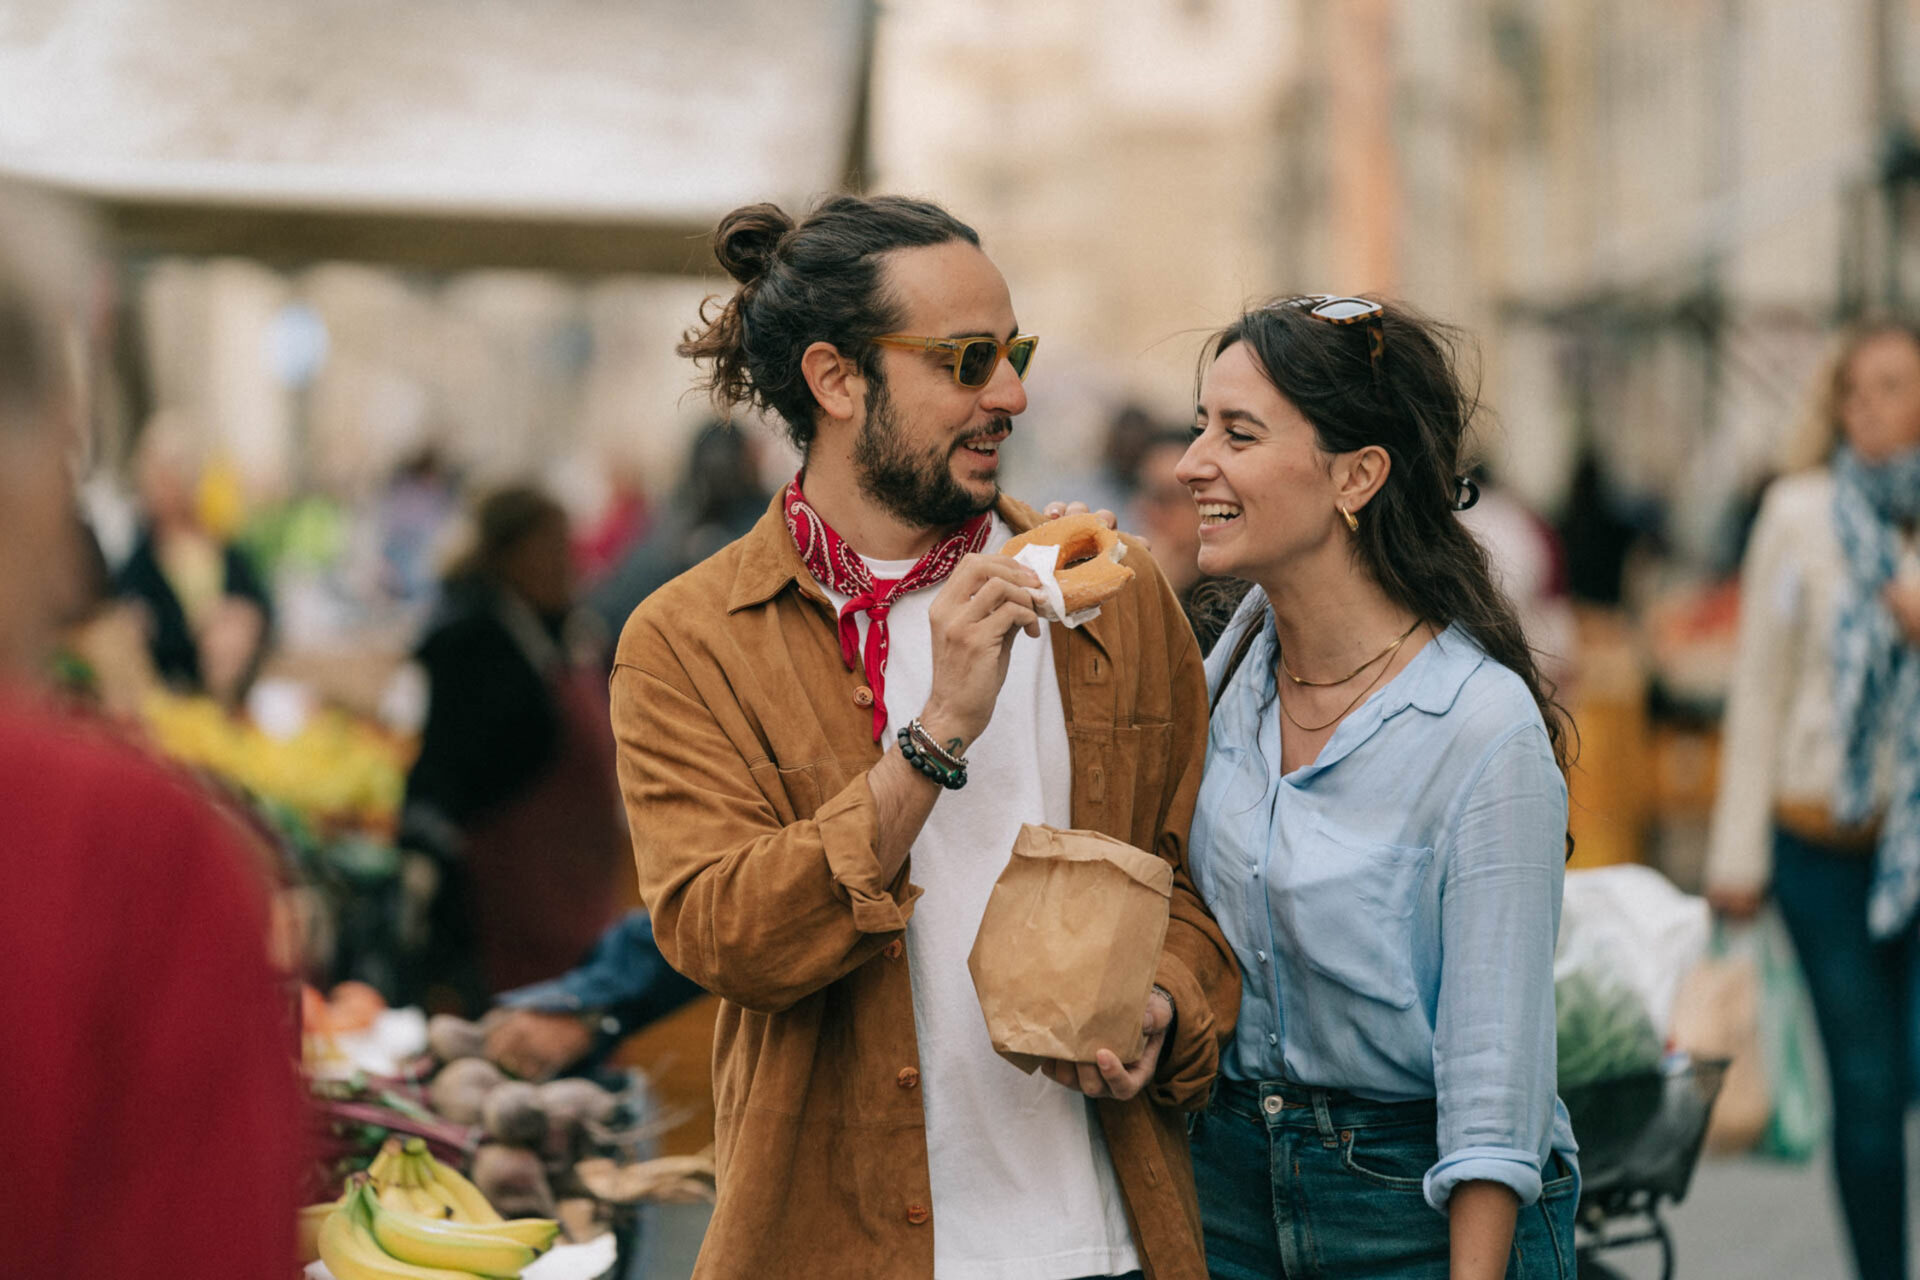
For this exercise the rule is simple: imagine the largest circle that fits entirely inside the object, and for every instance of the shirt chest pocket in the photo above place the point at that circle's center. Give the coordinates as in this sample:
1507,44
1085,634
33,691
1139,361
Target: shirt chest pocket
1348,904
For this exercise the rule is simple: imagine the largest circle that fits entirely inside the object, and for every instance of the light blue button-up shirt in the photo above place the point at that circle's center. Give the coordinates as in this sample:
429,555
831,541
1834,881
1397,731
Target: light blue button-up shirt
1394,904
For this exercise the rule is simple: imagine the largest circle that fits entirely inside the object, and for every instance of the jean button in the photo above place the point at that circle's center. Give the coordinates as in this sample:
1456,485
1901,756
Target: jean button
1272,1104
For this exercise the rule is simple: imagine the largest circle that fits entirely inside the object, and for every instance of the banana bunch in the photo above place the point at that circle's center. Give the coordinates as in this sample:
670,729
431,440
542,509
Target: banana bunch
412,1218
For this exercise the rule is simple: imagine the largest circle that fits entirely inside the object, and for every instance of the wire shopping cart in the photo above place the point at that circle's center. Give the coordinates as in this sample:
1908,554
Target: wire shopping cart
1640,1138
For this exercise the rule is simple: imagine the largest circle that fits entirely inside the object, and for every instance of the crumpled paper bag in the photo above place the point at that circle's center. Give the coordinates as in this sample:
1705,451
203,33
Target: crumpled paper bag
1068,946
1041,557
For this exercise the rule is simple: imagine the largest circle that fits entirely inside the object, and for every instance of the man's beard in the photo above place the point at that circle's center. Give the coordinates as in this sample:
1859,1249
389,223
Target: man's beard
918,489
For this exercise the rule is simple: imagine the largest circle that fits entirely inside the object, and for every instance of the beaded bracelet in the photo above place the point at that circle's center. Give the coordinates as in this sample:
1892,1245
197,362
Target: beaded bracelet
951,779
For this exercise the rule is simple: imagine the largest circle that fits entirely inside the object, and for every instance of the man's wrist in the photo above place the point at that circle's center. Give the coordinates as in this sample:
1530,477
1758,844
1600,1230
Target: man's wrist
1173,1009
944,728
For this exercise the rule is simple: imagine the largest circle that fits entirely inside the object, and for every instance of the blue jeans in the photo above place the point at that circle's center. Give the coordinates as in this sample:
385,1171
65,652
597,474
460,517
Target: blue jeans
1328,1187
1863,1000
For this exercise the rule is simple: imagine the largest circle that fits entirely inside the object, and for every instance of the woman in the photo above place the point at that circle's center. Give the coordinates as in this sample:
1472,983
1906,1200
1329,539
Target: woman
206,612
1820,781
513,794
1381,830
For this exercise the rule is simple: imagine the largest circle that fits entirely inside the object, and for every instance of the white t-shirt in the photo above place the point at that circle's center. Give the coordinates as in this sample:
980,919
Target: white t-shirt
1023,1185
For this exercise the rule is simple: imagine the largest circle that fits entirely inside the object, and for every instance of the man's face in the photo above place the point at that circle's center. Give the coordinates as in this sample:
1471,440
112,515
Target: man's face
929,449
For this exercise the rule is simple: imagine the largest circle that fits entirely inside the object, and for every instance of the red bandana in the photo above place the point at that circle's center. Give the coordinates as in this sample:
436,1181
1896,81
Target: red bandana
836,566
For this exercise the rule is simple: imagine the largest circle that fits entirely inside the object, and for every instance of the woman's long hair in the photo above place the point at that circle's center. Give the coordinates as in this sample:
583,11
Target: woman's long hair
1411,402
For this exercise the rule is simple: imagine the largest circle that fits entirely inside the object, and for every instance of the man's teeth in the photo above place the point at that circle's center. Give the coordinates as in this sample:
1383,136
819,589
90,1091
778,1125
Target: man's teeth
1217,512
983,446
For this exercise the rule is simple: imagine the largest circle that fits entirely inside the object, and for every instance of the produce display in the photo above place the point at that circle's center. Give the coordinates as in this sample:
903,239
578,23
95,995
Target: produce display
410,1217
450,1143
337,769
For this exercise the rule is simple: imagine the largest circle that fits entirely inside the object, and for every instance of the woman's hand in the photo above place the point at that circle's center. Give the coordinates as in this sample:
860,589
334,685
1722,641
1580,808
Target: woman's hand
1106,1076
1902,598
1736,903
1055,510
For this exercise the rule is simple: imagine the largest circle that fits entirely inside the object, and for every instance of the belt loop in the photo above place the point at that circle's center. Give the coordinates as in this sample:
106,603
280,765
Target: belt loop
1323,1116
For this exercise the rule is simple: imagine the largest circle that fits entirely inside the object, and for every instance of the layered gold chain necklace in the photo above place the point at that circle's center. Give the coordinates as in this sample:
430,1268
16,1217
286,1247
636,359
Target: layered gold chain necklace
1387,652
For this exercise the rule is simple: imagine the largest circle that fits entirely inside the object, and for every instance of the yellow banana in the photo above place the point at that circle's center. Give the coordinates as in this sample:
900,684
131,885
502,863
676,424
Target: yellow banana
381,1170
393,1195
465,1198
424,1242
350,1251
538,1234
422,1202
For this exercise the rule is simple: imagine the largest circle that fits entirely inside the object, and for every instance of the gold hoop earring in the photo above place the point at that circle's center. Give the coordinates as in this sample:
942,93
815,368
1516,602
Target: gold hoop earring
1353,523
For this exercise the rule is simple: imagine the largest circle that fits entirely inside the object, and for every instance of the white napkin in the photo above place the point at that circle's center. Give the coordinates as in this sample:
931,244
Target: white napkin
1041,557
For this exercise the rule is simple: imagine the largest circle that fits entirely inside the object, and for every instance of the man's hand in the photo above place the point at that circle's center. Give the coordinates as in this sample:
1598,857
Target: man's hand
974,619
537,1046
1902,598
1106,1076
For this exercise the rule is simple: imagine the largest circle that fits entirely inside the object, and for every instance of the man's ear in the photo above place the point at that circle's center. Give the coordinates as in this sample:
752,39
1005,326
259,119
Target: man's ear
1357,476
838,386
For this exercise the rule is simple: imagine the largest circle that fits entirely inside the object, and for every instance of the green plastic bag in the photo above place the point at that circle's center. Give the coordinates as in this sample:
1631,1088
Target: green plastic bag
1799,1113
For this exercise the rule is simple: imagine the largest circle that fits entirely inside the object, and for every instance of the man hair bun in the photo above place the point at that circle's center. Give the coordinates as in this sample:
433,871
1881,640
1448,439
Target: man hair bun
746,238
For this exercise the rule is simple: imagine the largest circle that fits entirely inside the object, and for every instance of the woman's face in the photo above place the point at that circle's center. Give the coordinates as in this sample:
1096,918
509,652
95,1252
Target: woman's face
1264,489
1880,397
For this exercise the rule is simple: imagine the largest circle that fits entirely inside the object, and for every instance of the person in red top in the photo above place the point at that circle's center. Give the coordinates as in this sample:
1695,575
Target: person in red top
147,1087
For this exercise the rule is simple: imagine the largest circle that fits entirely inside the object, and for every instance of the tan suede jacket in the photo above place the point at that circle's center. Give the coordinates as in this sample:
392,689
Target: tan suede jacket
744,745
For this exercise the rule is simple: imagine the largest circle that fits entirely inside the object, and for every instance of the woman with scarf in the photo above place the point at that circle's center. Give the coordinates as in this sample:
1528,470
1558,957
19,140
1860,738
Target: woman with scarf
1819,799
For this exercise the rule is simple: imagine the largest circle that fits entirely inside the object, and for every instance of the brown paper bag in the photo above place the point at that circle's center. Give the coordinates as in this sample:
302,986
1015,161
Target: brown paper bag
1716,1014
1068,946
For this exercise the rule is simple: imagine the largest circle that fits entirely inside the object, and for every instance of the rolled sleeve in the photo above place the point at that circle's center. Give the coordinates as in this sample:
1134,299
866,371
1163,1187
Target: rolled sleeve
761,907
849,838
1508,1166
1494,1052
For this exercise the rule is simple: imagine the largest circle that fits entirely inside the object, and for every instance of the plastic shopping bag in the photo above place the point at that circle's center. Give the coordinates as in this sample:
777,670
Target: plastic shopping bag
1627,936
1748,1002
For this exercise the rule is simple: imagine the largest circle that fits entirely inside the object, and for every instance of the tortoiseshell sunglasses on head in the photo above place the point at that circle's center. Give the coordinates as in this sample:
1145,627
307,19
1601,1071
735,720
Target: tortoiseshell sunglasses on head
1335,309
974,359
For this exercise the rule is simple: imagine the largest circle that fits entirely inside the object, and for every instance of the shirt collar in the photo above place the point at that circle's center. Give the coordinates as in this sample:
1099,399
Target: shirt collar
1433,680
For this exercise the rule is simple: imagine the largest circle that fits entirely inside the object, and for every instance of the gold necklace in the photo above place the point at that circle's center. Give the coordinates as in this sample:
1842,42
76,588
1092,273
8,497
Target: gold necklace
1343,711
1328,684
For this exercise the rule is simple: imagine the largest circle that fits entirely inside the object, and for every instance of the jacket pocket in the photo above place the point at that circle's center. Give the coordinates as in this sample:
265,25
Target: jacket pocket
1351,905
795,793
1120,774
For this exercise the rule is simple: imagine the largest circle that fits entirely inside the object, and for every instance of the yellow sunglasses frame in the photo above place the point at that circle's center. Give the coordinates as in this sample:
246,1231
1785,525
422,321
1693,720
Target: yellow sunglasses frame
958,346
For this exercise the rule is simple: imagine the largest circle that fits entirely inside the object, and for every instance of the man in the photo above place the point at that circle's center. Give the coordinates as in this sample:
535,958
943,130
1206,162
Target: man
148,1081
800,866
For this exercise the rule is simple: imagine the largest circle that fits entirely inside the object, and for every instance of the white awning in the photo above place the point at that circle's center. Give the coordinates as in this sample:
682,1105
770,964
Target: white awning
561,132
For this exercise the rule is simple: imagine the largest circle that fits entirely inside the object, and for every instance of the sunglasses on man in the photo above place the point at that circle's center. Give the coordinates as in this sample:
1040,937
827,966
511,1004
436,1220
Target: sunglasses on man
974,359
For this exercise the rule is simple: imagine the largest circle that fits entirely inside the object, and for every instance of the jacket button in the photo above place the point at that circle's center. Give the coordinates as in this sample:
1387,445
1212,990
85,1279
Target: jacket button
863,697
907,1078
894,950
917,1214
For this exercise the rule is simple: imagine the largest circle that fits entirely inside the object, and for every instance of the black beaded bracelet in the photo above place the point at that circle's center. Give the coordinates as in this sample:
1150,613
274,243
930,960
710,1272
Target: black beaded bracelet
951,779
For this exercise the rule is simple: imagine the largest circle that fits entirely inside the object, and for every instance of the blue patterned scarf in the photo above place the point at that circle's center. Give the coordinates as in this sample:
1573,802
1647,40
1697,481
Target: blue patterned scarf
1876,677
